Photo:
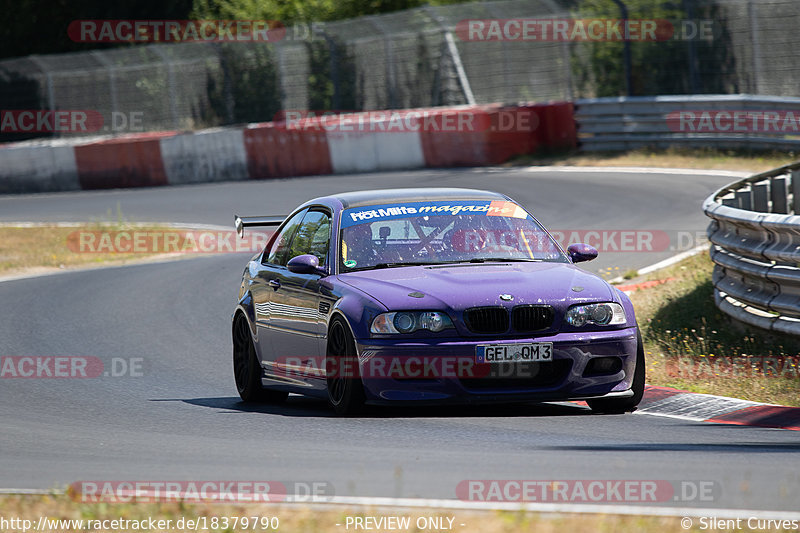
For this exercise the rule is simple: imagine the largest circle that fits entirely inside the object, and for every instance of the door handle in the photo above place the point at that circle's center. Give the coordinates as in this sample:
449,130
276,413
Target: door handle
275,284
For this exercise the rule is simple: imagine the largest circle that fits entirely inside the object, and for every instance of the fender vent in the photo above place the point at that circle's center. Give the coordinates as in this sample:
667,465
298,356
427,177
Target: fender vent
324,307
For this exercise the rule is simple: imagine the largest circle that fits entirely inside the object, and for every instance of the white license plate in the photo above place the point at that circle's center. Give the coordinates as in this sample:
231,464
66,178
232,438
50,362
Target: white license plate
539,352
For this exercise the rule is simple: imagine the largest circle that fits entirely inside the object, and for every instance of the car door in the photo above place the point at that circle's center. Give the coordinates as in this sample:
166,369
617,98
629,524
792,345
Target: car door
296,327
263,285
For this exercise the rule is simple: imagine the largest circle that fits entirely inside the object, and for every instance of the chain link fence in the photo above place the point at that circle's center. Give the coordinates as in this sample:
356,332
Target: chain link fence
406,59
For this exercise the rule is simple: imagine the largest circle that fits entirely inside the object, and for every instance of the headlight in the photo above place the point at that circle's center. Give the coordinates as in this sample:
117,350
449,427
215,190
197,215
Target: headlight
410,321
604,314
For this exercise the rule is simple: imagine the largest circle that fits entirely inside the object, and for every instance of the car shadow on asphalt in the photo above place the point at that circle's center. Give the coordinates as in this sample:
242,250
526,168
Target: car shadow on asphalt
708,447
302,406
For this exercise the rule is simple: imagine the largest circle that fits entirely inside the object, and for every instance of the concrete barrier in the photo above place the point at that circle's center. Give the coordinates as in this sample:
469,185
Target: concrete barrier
358,142
133,161
273,151
205,156
38,169
375,146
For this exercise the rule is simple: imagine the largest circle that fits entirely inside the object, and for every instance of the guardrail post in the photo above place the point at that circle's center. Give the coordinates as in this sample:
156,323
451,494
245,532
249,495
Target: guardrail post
743,200
796,191
777,192
761,197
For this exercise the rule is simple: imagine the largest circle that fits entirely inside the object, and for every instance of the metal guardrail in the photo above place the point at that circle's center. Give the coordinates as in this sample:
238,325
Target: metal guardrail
626,123
755,246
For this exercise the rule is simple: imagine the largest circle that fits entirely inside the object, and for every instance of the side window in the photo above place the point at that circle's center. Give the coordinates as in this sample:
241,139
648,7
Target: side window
277,255
312,237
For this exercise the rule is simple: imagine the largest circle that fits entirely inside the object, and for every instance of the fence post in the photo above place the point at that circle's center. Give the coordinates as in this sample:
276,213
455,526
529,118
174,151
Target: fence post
333,50
557,10
227,84
388,46
51,96
455,56
171,86
626,50
756,45
691,50
112,79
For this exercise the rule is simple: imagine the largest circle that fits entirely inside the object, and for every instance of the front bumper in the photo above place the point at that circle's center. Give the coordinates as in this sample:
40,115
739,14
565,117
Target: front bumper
444,370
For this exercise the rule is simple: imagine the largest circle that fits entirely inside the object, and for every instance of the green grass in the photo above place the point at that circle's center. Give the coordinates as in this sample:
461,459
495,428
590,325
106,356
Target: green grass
692,345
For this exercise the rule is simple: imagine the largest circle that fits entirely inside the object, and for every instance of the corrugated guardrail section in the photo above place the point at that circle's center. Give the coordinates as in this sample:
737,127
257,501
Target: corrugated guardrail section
724,121
755,236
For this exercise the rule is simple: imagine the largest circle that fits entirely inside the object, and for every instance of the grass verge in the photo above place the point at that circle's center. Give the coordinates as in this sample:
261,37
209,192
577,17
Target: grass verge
698,158
322,519
46,247
691,345
27,248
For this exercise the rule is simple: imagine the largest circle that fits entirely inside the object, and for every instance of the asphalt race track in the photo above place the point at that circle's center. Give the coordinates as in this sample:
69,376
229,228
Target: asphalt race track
181,419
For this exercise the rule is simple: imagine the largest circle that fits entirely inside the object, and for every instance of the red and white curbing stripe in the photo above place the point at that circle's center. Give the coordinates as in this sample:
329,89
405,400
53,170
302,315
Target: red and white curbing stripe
269,150
674,403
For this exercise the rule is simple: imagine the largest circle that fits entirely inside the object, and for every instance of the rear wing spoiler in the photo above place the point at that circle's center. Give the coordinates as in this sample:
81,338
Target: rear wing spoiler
245,222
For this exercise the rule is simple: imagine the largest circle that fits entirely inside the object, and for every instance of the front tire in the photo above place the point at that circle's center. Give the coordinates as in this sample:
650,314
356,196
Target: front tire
246,370
625,405
345,389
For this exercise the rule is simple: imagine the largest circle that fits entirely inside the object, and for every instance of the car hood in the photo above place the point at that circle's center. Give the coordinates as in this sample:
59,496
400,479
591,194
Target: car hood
465,285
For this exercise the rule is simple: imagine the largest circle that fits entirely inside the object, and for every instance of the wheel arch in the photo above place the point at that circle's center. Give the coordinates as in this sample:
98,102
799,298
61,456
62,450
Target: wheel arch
337,314
245,308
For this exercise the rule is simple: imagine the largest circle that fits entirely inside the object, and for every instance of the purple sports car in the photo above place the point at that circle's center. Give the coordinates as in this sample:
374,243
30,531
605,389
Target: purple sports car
429,296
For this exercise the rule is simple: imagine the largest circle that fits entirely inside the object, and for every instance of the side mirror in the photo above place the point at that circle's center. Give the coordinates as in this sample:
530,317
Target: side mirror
305,264
580,252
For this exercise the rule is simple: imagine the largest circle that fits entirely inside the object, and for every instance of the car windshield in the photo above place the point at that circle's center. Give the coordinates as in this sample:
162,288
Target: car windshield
383,236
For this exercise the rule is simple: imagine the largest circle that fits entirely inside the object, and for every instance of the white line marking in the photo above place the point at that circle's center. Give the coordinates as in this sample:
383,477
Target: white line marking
30,491
153,259
645,510
644,170
674,259
417,503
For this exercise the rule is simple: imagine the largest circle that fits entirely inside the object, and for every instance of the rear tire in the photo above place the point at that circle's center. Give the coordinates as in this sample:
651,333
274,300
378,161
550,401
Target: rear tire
625,405
345,389
246,370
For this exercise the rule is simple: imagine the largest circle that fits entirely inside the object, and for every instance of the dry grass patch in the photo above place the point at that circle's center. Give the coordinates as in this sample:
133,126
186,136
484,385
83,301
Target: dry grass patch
699,158
692,345
47,248
302,518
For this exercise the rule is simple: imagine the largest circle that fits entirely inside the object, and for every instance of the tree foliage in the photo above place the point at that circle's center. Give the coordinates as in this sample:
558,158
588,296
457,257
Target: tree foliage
658,67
